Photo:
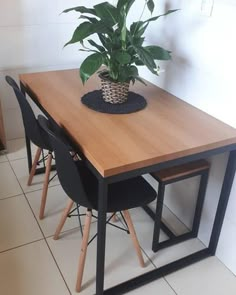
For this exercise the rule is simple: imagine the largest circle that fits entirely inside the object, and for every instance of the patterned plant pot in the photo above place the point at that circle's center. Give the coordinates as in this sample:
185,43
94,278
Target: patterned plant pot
113,92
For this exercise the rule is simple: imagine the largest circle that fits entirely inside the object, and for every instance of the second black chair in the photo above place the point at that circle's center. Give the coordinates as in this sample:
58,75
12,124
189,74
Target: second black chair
37,136
81,186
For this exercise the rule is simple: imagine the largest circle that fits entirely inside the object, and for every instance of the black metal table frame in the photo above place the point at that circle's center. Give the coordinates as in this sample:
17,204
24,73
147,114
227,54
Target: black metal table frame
170,267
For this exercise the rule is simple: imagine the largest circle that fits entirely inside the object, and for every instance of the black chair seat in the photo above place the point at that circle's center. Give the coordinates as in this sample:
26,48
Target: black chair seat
127,194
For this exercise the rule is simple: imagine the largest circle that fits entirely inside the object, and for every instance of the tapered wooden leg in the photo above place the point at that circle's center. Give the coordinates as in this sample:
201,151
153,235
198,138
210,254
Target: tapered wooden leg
114,218
83,250
34,165
134,237
45,186
63,219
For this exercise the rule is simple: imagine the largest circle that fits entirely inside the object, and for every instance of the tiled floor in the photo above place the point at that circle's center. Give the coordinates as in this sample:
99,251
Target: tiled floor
32,263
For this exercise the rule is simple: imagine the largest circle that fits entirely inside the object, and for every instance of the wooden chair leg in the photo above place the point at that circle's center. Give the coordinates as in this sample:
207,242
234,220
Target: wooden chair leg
34,165
134,237
45,186
63,219
83,250
114,218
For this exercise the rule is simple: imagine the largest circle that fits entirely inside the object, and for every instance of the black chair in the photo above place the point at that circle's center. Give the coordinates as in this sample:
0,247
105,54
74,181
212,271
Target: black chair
81,186
38,136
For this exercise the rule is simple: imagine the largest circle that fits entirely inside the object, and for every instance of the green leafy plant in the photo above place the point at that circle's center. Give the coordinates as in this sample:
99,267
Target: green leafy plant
120,49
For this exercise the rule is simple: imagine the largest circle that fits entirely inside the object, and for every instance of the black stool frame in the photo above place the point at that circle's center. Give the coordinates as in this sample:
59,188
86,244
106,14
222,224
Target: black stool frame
159,224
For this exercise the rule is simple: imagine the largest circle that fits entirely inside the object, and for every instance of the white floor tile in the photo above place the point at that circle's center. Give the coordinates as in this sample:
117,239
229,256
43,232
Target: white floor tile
206,277
3,158
30,270
56,202
160,286
16,149
226,247
175,252
144,228
121,260
9,185
20,168
171,220
17,223
173,223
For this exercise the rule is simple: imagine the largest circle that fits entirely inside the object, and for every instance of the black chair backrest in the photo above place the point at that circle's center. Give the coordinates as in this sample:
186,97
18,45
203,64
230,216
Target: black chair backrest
67,169
32,128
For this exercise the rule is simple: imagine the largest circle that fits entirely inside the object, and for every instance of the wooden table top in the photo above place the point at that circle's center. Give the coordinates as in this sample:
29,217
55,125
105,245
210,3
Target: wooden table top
168,128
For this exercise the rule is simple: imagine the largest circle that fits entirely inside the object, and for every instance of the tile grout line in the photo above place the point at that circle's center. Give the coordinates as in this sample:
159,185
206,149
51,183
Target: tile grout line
170,285
13,196
225,265
42,233
22,245
36,190
13,160
177,218
150,260
57,266
167,208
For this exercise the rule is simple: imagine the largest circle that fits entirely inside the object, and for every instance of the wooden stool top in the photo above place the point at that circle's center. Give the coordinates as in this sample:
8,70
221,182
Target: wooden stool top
180,171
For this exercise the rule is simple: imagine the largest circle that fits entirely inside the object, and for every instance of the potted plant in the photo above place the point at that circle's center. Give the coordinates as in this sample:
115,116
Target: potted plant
119,48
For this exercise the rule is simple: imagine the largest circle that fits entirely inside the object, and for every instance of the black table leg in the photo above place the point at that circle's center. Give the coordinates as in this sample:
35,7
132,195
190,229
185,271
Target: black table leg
158,215
101,240
27,141
29,153
223,201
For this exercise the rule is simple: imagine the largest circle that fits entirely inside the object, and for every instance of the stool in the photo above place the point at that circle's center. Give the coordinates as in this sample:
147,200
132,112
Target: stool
171,175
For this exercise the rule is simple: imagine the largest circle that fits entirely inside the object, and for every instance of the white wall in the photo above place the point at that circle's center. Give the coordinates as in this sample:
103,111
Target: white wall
32,35
202,73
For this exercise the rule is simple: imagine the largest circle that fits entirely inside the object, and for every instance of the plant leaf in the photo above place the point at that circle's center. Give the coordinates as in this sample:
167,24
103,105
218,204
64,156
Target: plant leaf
150,5
130,3
138,62
136,26
138,41
158,53
90,65
140,80
107,12
86,29
106,42
99,47
81,9
156,17
93,20
122,57
134,75
146,57
124,4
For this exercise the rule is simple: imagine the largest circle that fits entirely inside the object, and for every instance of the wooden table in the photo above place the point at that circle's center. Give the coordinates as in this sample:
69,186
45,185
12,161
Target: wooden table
167,133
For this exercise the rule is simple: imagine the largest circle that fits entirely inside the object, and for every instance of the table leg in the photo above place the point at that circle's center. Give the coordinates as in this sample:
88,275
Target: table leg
27,141
29,153
101,239
223,201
